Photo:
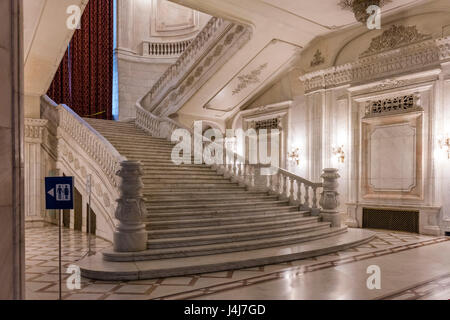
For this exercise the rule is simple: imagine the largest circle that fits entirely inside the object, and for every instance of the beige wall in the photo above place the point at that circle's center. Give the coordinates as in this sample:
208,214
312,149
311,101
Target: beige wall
11,160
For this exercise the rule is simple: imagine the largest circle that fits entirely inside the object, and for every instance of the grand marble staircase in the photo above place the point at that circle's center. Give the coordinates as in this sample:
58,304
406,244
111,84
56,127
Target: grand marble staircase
194,211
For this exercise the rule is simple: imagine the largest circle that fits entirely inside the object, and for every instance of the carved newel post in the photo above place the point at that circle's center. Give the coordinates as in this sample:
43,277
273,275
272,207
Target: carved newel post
260,177
329,197
130,234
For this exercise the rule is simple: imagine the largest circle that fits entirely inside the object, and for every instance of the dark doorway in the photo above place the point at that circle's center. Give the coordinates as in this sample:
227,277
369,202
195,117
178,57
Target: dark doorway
78,210
66,218
91,225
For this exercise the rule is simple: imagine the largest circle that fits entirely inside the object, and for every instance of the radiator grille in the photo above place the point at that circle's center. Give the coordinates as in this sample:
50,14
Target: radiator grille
398,220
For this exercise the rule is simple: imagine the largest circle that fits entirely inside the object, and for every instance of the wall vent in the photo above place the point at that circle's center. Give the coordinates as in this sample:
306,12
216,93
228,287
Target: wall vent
398,220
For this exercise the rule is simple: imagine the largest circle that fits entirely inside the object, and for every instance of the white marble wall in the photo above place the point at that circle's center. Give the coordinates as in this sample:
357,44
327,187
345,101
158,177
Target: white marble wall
12,254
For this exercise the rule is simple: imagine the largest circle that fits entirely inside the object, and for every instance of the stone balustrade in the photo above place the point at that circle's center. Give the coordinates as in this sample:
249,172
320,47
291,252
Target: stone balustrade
287,185
165,49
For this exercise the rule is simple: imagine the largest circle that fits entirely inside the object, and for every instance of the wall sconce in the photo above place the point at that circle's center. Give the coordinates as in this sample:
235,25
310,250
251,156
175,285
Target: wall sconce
294,155
339,153
444,144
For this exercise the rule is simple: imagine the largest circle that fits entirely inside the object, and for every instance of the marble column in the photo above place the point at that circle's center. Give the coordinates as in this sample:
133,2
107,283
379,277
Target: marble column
34,171
329,197
130,234
12,253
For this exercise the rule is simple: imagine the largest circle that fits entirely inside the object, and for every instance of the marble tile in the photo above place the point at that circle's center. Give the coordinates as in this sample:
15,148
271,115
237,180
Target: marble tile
330,273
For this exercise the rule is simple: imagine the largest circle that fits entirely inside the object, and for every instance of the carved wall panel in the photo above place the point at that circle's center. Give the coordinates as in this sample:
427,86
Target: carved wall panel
392,153
172,19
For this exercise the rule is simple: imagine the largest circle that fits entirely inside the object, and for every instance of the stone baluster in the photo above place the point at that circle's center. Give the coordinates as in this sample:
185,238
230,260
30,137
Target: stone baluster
276,183
285,186
299,193
291,190
329,197
306,204
315,211
130,234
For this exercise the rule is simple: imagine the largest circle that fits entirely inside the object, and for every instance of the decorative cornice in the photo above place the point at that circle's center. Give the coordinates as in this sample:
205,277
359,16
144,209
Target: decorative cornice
394,37
414,57
34,128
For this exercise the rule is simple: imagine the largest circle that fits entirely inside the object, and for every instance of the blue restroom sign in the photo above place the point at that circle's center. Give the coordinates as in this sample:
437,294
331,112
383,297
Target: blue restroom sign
59,193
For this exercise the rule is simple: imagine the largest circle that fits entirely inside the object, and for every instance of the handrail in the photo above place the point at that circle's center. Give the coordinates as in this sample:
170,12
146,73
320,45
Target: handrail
186,61
88,138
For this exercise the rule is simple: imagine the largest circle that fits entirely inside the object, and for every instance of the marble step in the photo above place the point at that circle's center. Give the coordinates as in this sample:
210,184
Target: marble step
140,146
179,173
200,240
144,150
137,142
227,194
140,136
169,166
234,240
182,177
222,221
208,207
156,156
223,213
173,168
183,186
132,266
185,182
210,200
184,231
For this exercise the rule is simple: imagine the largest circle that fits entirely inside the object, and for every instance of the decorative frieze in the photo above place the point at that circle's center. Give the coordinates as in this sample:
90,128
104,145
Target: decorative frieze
410,58
405,103
267,124
394,37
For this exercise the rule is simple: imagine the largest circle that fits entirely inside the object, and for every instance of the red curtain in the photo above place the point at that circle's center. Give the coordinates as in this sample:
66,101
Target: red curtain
84,78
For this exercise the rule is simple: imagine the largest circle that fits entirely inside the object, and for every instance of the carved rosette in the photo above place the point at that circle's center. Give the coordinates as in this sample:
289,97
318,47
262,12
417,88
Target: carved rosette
130,234
329,198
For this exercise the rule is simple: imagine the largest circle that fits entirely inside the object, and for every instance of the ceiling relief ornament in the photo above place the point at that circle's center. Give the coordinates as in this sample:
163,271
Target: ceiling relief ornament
249,79
318,59
394,37
359,7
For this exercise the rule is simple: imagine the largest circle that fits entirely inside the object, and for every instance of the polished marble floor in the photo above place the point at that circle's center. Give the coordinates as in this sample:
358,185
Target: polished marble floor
412,267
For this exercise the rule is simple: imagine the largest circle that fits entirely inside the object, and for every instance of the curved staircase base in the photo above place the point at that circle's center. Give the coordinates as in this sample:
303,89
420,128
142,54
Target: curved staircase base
96,267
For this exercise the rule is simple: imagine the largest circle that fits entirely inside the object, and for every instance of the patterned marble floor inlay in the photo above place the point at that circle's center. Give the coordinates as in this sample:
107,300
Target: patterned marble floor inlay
42,268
